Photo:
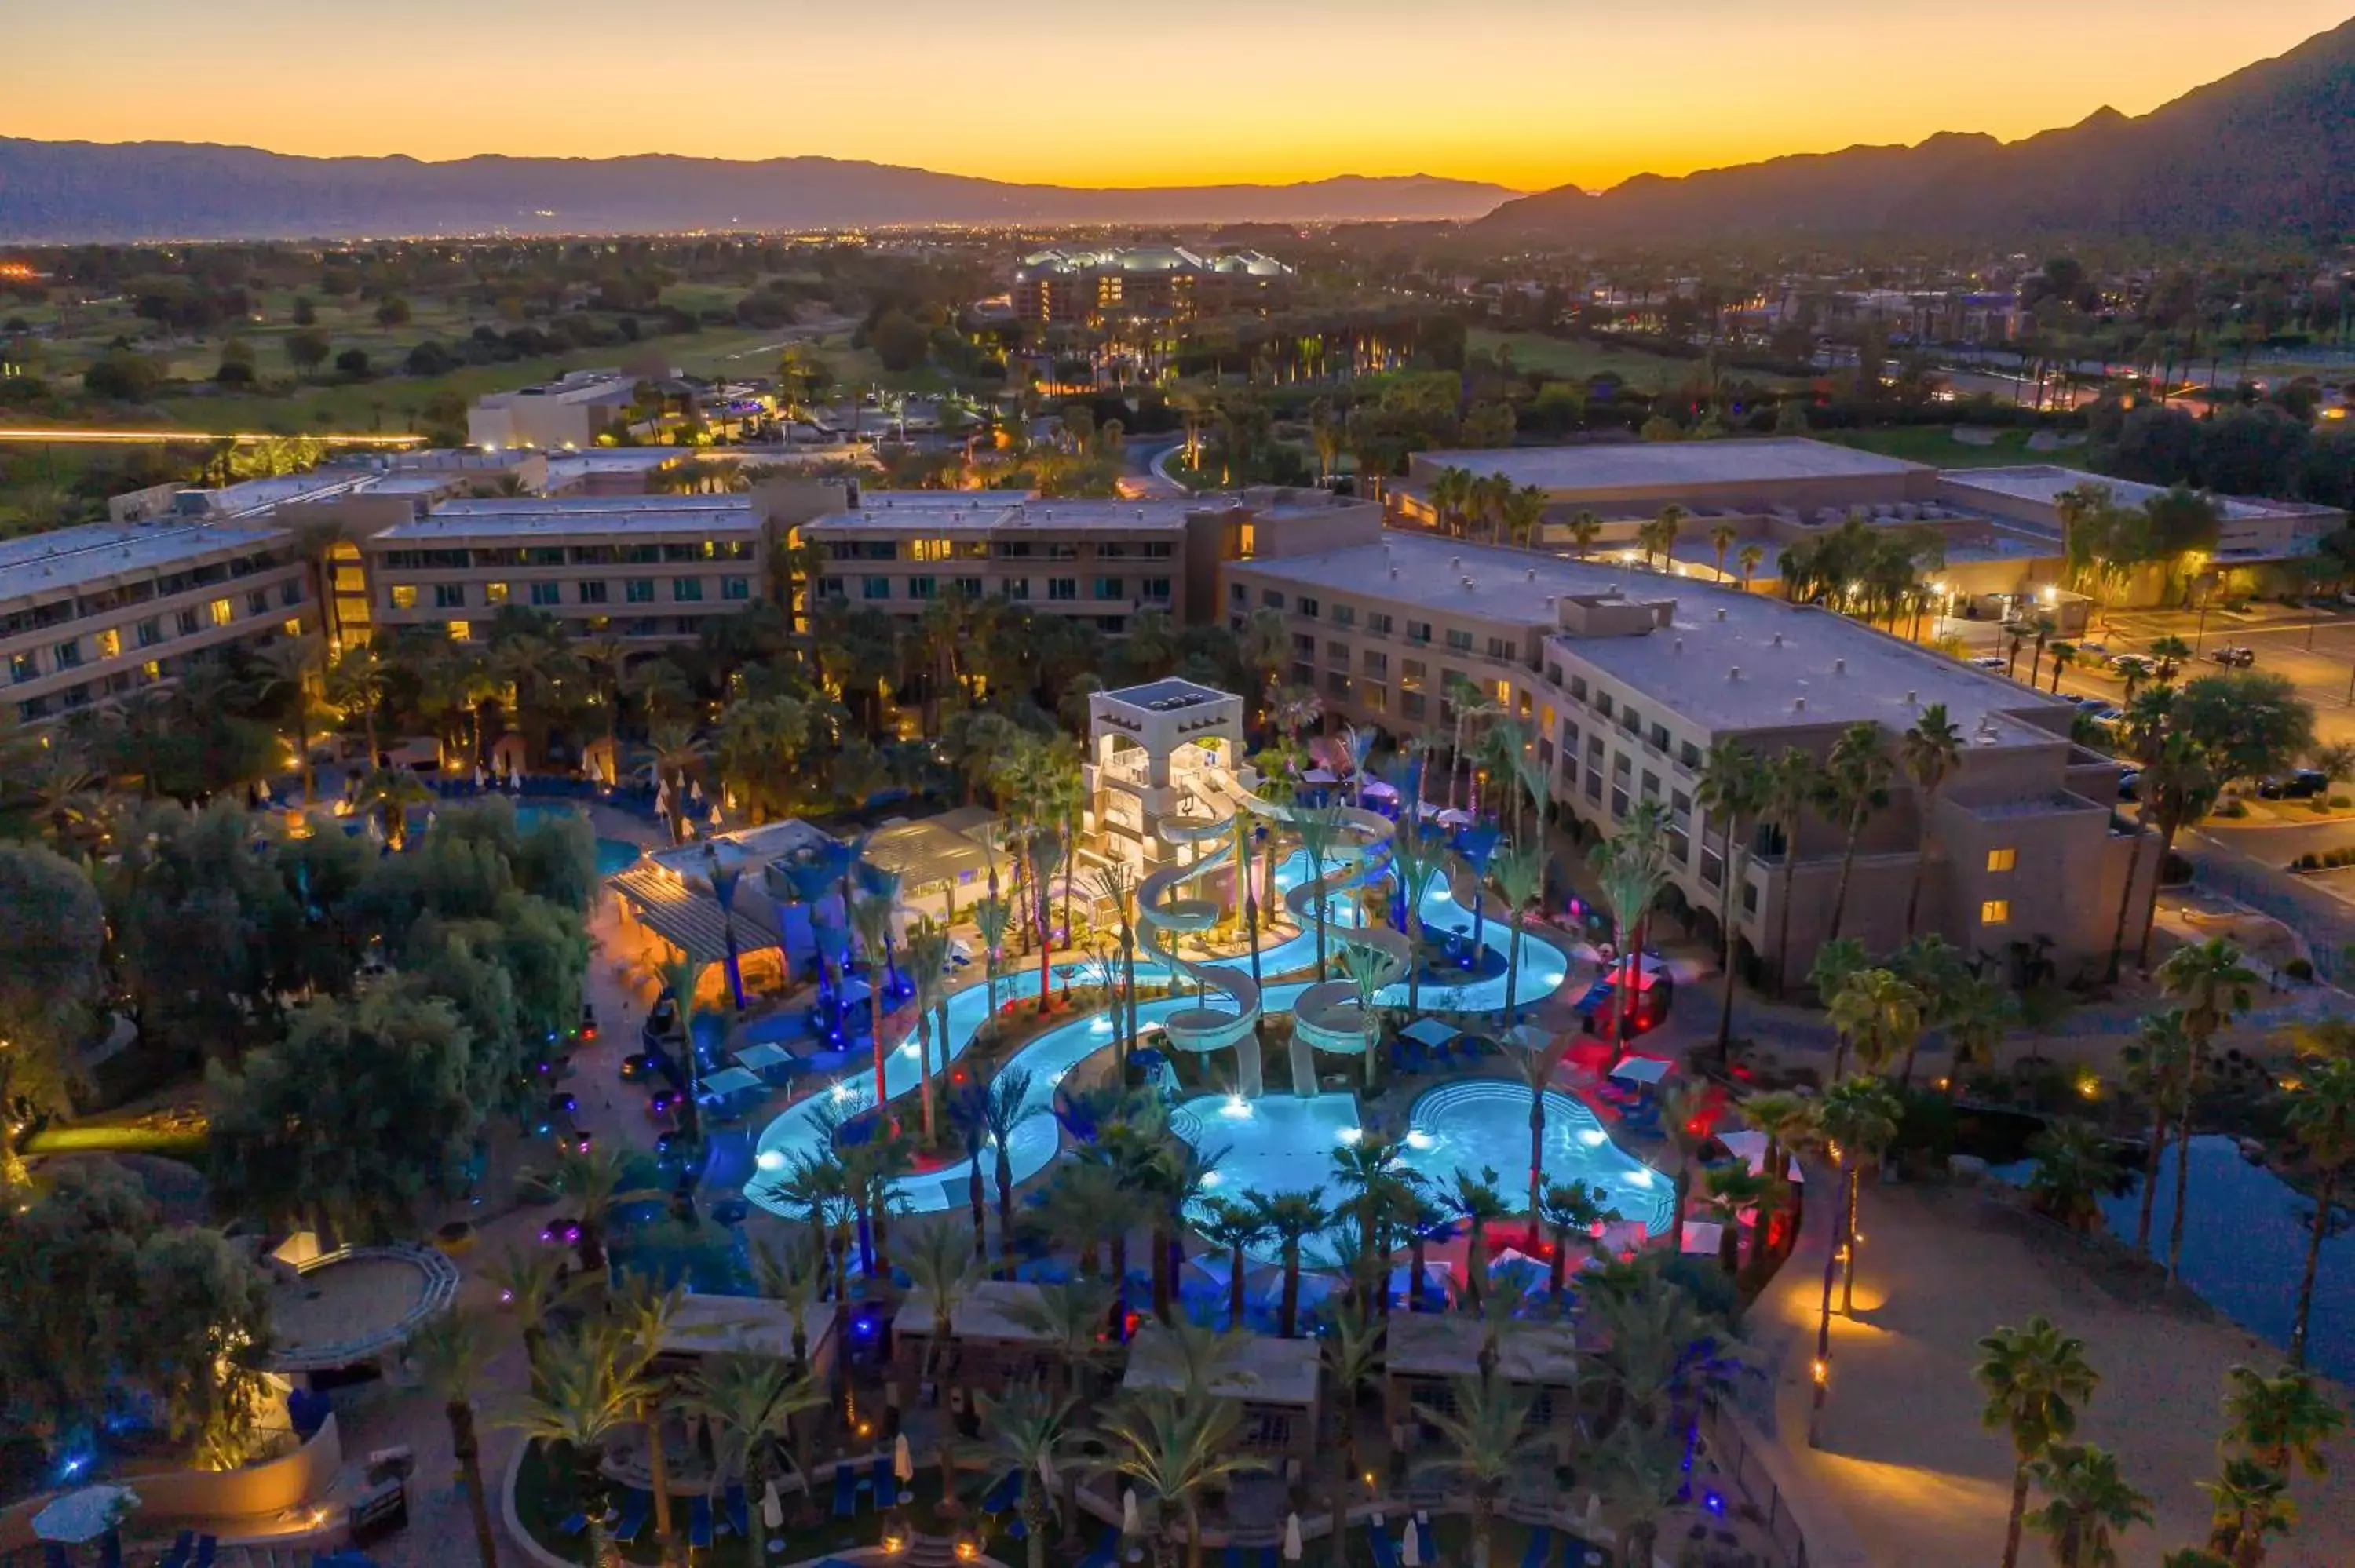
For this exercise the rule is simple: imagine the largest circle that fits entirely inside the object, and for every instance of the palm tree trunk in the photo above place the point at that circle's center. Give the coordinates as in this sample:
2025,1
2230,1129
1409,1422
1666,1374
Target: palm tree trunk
1782,916
2011,1522
2182,1185
2126,903
1290,1315
2150,920
658,1477
1839,893
1235,1286
1824,1317
2150,1161
1725,942
468,1453
2323,1200
925,1067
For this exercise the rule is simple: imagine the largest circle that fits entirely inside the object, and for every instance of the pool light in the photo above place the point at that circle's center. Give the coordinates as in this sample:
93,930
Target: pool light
1419,1140
1349,1137
1594,1138
1236,1107
770,1159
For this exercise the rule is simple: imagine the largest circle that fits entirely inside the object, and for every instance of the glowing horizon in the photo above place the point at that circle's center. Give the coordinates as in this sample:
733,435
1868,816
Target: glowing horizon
1526,93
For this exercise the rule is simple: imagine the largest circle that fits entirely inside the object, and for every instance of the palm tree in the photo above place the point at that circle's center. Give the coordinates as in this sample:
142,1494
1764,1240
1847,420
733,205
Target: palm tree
993,916
754,1399
1731,790
1320,829
1353,1348
389,793
2034,1379
1571,1208
1235,1229
1585,527
1631,868
940,1264
794,1276
2321,1120
2283,1420
871,919
2247,1502
1791,786
1488,1438
1728,1191
355,685
1069,1319
1116,885
1418,860
532,1285
2180,786
1721,536
1517,873
2161,1068
1878,1014
2213,982
1535,1068
1642,1474
2063,655
1930,751
2072,1165
449,1357
589,1182
1749,558
2086,1502
1291,1218
1175,1447
1477,1202
590,1385
2042,628
1029,1432
928,957
1857,1119
1006,1106
1788,1120
1856,778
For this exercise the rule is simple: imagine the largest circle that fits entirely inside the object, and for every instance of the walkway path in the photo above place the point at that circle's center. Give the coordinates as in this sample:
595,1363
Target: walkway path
1905,1465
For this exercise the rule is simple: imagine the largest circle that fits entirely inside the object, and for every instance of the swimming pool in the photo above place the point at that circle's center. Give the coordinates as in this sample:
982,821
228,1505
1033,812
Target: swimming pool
1284,1144
613,856
799,1129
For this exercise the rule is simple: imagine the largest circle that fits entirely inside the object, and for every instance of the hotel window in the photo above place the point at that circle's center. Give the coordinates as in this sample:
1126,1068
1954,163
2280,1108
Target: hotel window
1995,912
220,612
1418,631
736,588
185,620
110,642
1345,615
496,593
257,601
1112,588
1112,624
541,593
290,628
459,630
1412,674
290,593
1378,665
23,667
404,596
1659,738
1308,607
1502,648
1063,550
452,596
686,591
1238,594
928,549
874,587
590,592
1378,622
2002,858
829,588
1017,588
1338,683
1156,590
1154,551
1272,599
923,588
1459,642
1604,705
1337,652
1303,645
1411,705
684,626
1376,699
150,632
1063,587
1578,688
638,590
1112,552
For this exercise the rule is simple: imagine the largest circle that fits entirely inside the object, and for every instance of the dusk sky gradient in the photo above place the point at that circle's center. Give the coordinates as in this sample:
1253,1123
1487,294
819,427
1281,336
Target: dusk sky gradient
1530,93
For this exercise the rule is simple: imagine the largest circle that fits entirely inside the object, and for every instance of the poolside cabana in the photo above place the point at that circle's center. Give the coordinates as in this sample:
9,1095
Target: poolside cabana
1277,1382
1643,1072
1429,1032
1428,1352
941,861
703,1326
991,1349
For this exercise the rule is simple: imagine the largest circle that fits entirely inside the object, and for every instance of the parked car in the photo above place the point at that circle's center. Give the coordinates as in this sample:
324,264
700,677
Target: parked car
1995,662
2237,657
2304,784
2141,666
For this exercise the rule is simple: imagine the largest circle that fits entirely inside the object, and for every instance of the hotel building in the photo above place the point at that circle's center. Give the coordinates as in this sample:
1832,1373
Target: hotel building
1627,678
1088,287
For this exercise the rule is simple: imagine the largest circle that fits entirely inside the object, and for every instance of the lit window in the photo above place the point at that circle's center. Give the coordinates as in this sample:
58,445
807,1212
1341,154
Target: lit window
404,596
109,643
291,628
495,593
459,630
1995,912
153,669
220,611
2002,858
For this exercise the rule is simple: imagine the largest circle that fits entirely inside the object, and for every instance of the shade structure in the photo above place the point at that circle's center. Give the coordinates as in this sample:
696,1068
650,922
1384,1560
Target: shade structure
84,1514
729,1081
1529,1037
1452,818
761,1058
1377,791
1749,1146
1640,1070
1438,1280
1703,1236
1429,1032
1320,775
1314,1288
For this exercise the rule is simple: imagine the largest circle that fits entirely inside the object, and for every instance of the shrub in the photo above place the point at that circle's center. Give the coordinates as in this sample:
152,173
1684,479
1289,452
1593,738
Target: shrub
2300,970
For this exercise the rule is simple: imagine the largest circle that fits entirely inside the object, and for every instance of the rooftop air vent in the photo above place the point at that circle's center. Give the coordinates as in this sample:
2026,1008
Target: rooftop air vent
1735,674
1533,574
1839,666
1720,614
1393,571
1912,699
1798,704
1467,582
1681,644
1455,561
1778,640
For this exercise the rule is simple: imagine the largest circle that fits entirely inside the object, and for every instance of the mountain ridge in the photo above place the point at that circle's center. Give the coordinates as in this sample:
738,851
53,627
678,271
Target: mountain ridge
65,191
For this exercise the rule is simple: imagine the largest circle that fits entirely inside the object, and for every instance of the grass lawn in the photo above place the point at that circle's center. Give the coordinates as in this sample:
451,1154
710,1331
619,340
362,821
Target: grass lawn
1577,358
117,1138
1936,444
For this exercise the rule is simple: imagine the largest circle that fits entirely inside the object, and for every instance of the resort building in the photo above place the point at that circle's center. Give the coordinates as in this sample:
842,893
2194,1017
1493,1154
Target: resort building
1100,561
556,416
639,568
98,611
1429,1354
1153,754
1088,286
1628,678
1277,1382
2251,533
997,1334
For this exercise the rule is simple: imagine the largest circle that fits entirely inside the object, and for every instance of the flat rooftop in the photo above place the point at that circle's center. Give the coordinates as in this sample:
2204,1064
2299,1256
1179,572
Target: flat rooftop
982,511
566,518
1447,1344
1166,696
44,564
1638,465
2042,484
1411,567
1257,1369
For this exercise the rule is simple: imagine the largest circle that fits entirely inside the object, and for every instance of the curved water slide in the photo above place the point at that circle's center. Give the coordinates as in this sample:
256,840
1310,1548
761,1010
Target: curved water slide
1227,1011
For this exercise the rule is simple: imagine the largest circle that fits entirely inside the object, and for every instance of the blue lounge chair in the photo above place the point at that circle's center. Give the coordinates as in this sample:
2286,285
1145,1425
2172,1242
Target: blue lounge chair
879,1476
1104,1551
206,1546
846,1491
739,1511
699,1518
637,1506
1005,1494
1541,1547
182,1545
1377,1536
1267,1558
1234,1556
572,1523
110,1550
53,1555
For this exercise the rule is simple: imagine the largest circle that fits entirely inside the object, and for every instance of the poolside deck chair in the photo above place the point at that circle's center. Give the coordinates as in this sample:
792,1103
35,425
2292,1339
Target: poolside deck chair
1104,1551
1267,1557
1541,1547
53,1555
206,1546
879,1477
637,1507
1377,1536
1005,1494
738,1510
1233,1557
846,1491
572,1523
699,1516
110,1550
183,1545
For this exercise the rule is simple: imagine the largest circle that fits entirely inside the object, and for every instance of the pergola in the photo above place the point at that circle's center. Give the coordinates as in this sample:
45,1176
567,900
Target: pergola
1428,1352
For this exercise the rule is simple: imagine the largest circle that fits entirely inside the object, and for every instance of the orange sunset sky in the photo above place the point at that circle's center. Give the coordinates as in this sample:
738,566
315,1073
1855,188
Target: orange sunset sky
1530,93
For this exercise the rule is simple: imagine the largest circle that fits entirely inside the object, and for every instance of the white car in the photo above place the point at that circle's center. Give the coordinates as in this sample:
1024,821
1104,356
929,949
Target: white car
1990,661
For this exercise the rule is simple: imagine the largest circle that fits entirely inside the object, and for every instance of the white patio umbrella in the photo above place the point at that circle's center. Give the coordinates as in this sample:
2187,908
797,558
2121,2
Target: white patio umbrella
903,1463
772,1507
1410,1547
1452,818
1129,1522
1292,1537
85,1514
